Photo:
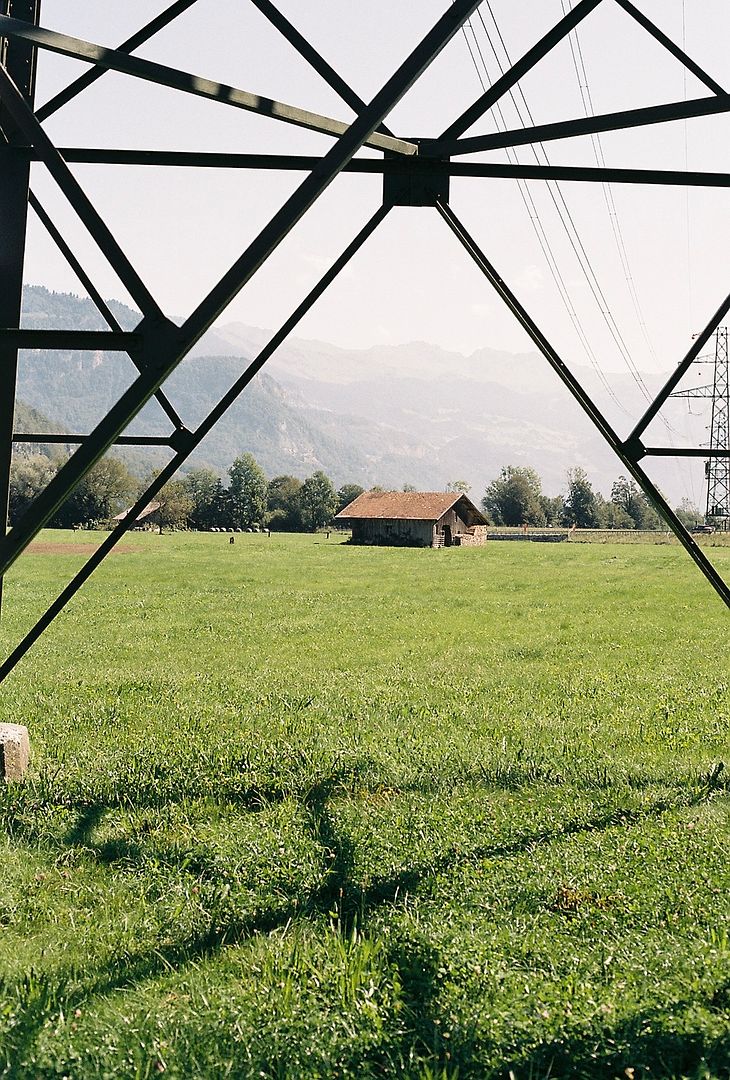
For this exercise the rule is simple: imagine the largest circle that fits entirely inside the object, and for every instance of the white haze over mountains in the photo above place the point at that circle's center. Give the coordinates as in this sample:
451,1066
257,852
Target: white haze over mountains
470,415
387,415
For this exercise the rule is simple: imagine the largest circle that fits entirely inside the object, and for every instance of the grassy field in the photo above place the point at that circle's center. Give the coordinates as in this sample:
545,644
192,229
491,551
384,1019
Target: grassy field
299,809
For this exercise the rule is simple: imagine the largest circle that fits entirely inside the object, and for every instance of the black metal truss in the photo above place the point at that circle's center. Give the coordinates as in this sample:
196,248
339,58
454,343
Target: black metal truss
416,171
717,466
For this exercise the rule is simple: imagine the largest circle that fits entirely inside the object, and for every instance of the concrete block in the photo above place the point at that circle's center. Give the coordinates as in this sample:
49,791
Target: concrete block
14,751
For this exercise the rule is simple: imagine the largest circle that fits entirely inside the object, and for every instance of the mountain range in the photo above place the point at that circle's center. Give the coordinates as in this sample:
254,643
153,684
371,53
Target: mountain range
413,413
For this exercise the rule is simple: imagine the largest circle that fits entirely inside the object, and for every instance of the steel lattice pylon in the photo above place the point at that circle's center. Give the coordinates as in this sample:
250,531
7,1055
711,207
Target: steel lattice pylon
718,471
416,172
717,466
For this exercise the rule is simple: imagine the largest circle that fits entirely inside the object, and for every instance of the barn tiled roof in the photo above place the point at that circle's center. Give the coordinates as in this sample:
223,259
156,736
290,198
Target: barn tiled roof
150,508
411,505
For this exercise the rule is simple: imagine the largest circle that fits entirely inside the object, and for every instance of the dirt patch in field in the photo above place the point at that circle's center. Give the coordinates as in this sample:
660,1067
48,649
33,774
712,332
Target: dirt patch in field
48,548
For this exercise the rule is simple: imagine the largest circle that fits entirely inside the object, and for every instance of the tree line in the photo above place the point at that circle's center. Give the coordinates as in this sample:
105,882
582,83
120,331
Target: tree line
516,498
201,499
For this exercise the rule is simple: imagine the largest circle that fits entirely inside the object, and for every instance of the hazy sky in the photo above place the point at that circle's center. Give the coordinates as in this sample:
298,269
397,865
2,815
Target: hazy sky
183,228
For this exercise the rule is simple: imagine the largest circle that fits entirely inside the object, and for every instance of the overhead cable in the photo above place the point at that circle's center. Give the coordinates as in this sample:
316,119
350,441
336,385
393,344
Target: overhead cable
538,226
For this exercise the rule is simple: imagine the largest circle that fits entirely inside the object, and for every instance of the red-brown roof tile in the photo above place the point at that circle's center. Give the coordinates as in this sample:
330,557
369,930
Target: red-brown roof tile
411,505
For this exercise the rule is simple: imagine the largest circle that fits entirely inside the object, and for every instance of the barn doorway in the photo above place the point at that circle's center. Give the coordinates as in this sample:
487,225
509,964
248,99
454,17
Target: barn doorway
447,536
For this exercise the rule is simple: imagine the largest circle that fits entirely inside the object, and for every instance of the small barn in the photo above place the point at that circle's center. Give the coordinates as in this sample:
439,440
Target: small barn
414,519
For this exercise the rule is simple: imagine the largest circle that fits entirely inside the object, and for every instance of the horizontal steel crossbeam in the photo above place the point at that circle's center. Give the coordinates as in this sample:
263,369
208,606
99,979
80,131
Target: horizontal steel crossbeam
101,306
76,340
386,165
63,440
685,451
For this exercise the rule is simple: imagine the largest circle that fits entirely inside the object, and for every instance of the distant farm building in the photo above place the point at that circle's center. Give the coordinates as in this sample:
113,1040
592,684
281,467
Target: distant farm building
414,519
149,518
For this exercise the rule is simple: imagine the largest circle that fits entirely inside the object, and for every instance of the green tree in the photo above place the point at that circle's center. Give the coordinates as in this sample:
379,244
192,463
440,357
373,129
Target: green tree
222,511
514,497
689,514
459,487
611,516
30,474
247,491
176,505
202,487
106,490
349,492
626,494
318,501
553,509
282,501
581,505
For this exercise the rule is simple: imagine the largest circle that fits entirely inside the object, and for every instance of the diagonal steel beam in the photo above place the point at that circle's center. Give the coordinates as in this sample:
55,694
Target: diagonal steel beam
532,57
23,116
97,299
94,294
162,75
590,125
196,438
166,345
310,54
668,44
89,77
626,452
682,368
271,235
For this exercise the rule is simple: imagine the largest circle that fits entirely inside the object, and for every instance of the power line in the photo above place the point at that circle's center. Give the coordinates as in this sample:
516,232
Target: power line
568,223
530,205
585,93
567,220
587,101
537,223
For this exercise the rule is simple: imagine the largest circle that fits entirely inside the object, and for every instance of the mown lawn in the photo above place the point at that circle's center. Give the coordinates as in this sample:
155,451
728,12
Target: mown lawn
299,809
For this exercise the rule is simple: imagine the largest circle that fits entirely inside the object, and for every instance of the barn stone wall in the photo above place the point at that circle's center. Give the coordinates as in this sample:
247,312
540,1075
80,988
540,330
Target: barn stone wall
474,537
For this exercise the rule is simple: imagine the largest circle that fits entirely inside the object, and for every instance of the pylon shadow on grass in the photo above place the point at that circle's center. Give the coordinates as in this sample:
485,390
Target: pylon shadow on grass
642,1047
337,896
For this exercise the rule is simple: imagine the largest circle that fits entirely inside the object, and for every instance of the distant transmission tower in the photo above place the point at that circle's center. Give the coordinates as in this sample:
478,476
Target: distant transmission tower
717,467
